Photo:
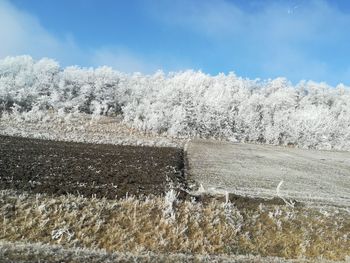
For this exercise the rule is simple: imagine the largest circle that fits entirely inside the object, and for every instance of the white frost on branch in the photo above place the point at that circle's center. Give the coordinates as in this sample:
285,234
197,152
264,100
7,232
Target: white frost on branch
289,203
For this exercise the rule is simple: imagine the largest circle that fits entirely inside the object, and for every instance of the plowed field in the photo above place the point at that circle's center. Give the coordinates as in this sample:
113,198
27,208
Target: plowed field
42,166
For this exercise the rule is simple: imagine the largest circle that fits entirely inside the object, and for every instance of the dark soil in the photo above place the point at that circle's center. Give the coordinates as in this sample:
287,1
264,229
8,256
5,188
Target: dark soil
41,166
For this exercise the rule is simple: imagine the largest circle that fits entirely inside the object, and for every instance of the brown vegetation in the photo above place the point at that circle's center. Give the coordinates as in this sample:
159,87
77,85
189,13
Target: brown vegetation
166,225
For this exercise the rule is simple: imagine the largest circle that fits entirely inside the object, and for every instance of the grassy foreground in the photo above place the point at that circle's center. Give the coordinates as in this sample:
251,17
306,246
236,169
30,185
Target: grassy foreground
19,252
166,225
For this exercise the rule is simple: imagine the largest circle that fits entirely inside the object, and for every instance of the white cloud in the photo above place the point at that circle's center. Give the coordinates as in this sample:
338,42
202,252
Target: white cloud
22,33
279,37
223,19
123,60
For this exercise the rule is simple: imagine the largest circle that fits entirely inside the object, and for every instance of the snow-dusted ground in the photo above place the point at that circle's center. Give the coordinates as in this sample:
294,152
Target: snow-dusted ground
314,177
318,177
81,128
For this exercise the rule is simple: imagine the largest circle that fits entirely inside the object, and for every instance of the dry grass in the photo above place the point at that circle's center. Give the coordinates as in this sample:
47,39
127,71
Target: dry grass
162,225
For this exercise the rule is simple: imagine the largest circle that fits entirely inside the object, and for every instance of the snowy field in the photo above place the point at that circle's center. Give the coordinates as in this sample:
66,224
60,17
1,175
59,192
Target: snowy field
310,177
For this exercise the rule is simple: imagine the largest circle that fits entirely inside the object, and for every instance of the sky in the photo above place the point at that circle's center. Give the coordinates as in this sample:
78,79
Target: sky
296,39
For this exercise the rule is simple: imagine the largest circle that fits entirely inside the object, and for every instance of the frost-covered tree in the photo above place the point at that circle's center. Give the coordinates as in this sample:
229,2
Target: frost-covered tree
27,83
184,104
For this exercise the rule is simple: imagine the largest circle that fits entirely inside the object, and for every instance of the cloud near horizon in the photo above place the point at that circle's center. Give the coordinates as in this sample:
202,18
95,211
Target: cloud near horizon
121,59
22,33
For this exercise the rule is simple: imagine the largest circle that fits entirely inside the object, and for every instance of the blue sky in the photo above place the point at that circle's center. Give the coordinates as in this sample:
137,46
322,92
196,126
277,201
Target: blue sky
296,39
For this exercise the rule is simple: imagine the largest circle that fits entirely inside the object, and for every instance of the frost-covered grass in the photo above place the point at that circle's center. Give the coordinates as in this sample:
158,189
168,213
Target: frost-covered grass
167,225
184,104
80,127
37,252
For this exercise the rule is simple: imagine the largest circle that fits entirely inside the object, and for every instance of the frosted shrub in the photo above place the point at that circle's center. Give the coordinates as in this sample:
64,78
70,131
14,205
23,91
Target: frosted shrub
233,217
170,200
59,233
